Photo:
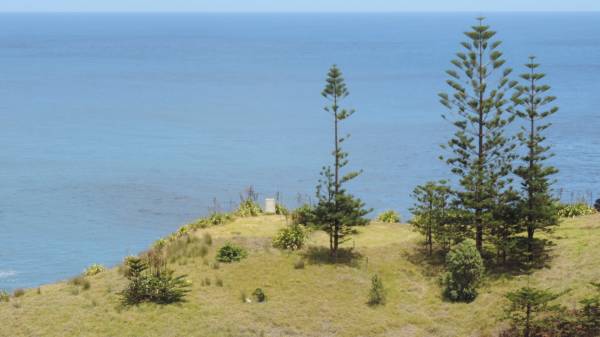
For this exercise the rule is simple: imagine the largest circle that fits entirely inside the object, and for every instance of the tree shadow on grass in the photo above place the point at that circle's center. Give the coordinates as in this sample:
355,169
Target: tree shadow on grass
518,262
431,265
320,255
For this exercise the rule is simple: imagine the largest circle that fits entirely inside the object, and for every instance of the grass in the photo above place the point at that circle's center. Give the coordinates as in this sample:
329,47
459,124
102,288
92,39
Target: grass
322,299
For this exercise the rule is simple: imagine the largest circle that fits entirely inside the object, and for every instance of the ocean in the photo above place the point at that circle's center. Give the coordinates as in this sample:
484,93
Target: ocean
117,128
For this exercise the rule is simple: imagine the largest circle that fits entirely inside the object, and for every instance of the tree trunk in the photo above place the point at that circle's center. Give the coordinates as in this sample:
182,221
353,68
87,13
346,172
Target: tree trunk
480,158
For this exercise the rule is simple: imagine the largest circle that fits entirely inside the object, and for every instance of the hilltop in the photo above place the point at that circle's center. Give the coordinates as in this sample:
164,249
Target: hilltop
321,299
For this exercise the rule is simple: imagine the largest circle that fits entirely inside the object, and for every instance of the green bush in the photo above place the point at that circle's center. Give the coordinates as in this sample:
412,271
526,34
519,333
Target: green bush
259,295
248,207
231,253
573,210
4,296
303,215
377,292
465,271
280,209
291,237
156,284
390,216
94,270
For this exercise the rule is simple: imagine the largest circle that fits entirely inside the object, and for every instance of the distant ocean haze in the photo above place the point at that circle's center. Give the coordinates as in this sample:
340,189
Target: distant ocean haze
118,128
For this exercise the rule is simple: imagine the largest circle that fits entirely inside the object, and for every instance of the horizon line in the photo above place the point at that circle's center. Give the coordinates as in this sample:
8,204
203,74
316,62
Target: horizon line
292,12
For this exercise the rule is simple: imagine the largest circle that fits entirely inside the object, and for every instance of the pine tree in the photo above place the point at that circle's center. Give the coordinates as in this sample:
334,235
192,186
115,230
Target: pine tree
481,154
337,211
430,212
538,210
526,304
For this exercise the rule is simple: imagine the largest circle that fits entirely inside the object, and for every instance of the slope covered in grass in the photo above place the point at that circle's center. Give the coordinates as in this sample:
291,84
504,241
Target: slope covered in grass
321,299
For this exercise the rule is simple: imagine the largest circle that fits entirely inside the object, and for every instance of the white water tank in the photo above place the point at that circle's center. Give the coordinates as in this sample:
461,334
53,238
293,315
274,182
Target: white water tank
270,205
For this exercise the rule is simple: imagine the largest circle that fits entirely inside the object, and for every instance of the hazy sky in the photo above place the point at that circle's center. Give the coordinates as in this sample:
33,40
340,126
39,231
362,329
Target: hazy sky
299,5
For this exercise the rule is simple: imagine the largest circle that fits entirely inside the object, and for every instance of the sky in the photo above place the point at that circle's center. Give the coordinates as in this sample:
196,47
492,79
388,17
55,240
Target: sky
295,5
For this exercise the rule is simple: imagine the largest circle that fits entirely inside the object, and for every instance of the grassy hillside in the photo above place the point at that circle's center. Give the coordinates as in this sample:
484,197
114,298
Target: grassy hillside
320,300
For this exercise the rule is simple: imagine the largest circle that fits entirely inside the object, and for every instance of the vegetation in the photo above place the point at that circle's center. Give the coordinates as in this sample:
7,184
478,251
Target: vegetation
4,296
537,204
480,153
389,216
573,210
415,306
337,211
526,306
258,295
535,313
303,215
231,253
377,292
248,204
94,270
154,283
465,272
431,214
291,237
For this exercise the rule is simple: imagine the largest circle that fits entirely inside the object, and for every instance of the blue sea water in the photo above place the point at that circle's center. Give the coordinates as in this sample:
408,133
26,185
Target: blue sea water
117,128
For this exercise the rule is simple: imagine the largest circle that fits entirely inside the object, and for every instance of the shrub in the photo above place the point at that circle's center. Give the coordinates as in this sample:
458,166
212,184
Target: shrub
248,205
291,237
390,216
156,284
465,271
94,270
259,295
205,282
218,282
4,296
216,219
303,215
280,209
299,264
18,292
377,292
231,253
215,265
573,210
597,205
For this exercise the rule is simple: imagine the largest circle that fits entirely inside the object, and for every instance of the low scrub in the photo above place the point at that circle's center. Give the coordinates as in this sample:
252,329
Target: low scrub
465,272
573,210
231,253
291,237
389,216
280,209
248,208
94,270
4,296
18,292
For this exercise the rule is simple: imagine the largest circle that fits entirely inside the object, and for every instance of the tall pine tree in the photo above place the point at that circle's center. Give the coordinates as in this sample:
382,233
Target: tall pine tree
337,211
533,107
480,153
